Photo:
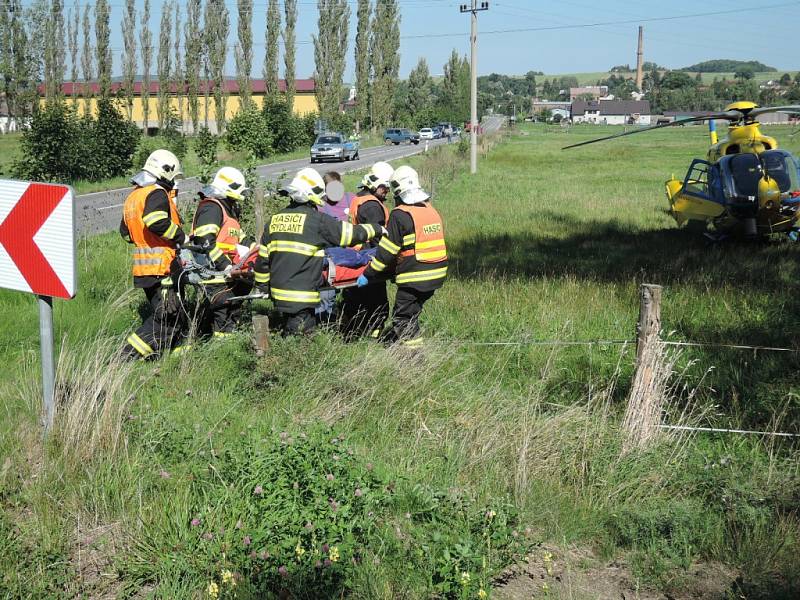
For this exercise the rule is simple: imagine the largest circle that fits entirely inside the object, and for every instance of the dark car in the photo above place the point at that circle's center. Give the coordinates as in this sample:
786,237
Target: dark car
398,136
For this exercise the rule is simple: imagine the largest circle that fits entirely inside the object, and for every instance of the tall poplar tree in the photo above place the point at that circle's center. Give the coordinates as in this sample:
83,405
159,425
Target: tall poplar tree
362,61
193,57
289,48
330,48
420,88
244,51
177,73
15,62
87,59
74,24
102,34
37,32
54,51
385,55
164,66
146,43
216,34
129,62
273,35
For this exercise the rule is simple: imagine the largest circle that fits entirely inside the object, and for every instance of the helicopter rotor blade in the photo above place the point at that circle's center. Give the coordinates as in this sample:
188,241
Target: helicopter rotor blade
730,115
793,109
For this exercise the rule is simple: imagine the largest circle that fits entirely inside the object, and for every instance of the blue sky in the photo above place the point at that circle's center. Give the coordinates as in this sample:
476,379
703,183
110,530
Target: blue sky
768,35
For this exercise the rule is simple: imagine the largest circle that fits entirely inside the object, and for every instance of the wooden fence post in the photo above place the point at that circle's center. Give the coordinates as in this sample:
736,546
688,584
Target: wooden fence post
261,331
649,326
258,203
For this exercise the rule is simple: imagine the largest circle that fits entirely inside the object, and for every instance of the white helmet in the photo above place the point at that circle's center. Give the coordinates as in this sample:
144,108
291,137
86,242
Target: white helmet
379,175
228,183
163,165
405,185
307,186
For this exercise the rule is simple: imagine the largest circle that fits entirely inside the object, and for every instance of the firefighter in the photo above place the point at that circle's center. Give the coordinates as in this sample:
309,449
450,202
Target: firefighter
366,309
216,229
414,252
150,221
291,254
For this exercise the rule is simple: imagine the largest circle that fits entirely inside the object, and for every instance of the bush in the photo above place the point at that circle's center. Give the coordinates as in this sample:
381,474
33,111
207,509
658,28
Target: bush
50,146
205,147
248,132
175,140
59,146
287,130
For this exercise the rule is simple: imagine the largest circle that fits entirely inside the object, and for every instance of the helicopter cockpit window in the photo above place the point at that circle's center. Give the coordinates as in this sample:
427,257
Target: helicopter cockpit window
780,166
742,177
697,179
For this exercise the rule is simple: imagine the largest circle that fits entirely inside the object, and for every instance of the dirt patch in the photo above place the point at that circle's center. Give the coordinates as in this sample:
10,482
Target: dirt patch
578,574
92,556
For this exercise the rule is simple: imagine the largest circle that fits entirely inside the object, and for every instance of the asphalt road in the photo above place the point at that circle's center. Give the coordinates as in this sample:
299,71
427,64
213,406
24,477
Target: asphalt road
101,212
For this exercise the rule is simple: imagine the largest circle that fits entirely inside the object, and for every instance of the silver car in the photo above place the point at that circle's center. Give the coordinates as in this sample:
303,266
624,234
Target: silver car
333,146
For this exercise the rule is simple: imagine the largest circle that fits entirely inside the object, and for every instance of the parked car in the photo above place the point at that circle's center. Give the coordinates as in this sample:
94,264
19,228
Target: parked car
398,136
426,133
333,146
437,132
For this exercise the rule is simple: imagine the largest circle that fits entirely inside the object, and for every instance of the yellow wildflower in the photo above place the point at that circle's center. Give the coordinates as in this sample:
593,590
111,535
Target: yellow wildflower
465,578
545,587
299,550
213,590
482,593
227,578
334,554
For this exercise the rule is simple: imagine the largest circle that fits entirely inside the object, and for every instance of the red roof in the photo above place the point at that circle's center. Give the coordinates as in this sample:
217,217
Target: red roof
231,87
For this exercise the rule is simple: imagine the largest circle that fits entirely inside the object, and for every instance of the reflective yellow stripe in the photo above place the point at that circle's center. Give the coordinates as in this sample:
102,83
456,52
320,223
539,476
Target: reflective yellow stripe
210,229
414,343
223,246
214,281
171,231
409,239
263,251
433,255
369,229
422,275
377,265
262,277
296,247
215,254
146,261
140,345
347,235
389,245
154,217
429,244
295,296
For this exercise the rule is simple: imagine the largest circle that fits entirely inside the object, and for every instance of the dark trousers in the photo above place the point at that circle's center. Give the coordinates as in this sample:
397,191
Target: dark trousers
405,320
365,310
220,317
303,322
162,329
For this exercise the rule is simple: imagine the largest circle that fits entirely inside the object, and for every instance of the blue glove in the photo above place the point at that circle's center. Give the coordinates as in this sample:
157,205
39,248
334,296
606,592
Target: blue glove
362,281
794,235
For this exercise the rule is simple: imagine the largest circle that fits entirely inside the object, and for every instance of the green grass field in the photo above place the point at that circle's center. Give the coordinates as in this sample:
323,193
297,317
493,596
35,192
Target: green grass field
430,474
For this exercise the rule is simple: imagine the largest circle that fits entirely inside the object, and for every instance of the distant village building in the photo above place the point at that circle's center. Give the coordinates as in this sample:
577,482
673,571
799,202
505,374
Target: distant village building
555,107
7,124
304,100
587,92
611,112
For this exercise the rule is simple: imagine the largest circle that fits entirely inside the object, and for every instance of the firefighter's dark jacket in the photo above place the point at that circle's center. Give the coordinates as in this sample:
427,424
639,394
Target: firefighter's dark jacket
395,257
209,213
291,254
371,211
156,219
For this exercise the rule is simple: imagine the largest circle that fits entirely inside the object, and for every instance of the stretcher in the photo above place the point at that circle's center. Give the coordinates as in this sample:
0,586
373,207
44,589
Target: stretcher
195,266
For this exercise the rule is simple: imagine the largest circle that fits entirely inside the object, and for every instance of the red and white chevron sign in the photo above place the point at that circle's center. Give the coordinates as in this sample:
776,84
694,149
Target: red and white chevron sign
37,238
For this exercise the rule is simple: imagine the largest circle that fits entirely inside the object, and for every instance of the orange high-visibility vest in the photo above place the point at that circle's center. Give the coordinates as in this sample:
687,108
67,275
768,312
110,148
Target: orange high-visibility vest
358,201
153,254
230,233
429,246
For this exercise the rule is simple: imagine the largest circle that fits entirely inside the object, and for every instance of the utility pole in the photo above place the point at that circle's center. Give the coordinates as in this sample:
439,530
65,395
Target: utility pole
473,127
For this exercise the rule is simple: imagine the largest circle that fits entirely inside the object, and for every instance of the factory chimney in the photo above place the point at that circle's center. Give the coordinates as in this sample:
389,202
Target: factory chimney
639,59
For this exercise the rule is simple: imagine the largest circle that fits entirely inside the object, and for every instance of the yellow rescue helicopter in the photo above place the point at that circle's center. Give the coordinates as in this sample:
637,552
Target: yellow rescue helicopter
746,186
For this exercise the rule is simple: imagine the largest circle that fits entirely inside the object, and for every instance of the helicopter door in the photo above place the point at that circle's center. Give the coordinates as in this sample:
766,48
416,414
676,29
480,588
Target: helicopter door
699,179
741,174
780,167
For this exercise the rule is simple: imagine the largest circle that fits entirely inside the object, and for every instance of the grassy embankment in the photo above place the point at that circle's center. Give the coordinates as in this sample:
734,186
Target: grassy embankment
9,152
545,244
